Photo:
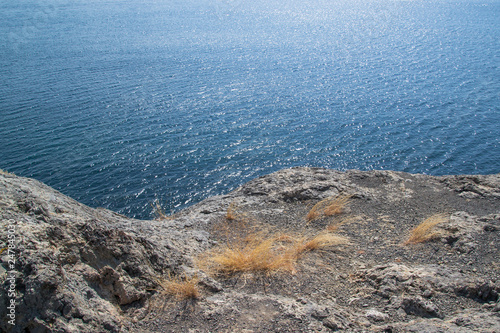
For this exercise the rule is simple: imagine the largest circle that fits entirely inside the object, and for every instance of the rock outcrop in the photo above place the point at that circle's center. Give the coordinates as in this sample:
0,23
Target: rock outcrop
78,269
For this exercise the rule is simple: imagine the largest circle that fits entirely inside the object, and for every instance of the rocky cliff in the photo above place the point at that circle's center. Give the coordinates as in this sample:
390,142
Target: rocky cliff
71,268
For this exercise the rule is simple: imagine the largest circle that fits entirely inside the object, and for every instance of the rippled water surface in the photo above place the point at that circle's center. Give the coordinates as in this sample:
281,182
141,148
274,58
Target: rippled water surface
121,103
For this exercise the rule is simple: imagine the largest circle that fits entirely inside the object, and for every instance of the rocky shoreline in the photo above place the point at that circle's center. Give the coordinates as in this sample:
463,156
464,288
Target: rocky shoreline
79,269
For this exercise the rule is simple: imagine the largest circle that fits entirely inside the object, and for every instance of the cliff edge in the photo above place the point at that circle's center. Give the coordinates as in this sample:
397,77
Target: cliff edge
355,267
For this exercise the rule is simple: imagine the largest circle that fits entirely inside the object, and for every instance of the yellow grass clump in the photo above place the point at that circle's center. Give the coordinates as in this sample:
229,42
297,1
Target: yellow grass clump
425,230
329,206
322,240
264,253
3,172
159,212
182,288
253,254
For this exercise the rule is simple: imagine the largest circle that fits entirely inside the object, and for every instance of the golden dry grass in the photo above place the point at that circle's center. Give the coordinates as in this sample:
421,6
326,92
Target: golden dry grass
182,288
328,207
159,212
253,252
337,205
264,253
322,240
425,230
251,256
3,172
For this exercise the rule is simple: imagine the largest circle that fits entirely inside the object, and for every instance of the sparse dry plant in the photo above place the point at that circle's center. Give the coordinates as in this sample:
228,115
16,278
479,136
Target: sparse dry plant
322,240
229,230
182,288
159,212
317,210
247,246
425,231
253,253
337,205
265,253
328,207
237,226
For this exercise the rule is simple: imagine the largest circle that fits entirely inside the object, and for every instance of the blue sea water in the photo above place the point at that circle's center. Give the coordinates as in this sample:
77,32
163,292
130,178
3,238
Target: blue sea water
121,103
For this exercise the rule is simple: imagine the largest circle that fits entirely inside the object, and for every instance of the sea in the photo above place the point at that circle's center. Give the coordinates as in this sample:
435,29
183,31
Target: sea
126,104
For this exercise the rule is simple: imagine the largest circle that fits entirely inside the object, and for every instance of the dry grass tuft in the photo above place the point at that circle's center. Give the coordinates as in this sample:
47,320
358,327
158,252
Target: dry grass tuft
322,240
247,246
182,288
425,230
253,253
328,207
3,172
264,253
337,205
317,210
159,212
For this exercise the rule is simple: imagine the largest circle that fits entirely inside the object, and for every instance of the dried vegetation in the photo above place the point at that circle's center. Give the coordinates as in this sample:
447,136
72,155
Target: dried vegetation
159,212
3,172
425,231
249,247
180,287
328,207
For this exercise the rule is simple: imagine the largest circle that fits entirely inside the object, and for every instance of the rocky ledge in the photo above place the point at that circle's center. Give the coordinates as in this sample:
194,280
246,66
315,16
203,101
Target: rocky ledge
71,268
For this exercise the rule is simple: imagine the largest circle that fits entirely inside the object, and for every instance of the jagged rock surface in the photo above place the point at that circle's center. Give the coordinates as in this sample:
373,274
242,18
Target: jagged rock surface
91,270
78,268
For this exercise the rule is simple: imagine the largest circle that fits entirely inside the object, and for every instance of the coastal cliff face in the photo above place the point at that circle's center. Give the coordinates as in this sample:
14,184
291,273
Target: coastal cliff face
79,269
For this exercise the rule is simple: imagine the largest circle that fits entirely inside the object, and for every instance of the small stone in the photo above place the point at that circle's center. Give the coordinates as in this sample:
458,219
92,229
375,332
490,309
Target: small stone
318,312
489,228
364,322
419,307
332,324
376,315
336,322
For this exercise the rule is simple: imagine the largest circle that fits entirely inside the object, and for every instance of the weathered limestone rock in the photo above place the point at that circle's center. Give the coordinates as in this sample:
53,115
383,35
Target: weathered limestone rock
78,267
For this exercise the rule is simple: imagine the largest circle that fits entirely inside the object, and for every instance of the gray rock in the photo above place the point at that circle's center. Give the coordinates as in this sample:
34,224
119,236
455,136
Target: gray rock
376,315
426,280
467,321
337,322
80,269
418,306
